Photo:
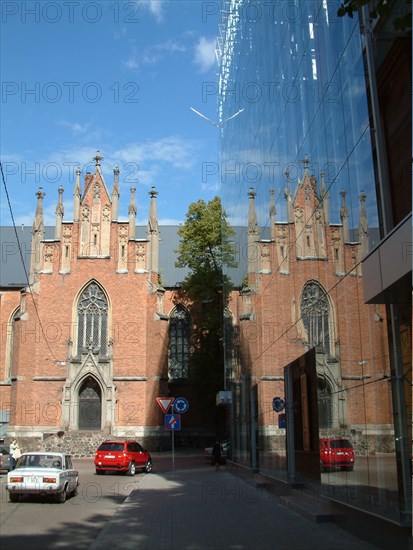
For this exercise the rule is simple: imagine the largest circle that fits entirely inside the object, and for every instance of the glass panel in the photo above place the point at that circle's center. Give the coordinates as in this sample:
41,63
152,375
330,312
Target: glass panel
179,344
111,447
308,120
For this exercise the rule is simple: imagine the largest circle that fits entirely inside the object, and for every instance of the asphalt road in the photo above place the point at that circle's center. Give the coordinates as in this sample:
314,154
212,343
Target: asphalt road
38,524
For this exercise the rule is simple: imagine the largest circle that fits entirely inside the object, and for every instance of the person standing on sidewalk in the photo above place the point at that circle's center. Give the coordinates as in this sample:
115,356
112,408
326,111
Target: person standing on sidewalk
15,453
216,453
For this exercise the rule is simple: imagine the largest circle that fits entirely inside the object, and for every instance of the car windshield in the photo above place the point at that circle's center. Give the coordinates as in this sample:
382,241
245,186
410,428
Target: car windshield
340,444
111,447
39,461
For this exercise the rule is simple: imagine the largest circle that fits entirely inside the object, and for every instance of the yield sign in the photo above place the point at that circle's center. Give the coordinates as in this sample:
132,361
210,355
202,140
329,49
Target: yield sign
165,403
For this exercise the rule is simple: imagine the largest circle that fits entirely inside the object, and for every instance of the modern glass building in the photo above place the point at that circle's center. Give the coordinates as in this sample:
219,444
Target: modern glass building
298,174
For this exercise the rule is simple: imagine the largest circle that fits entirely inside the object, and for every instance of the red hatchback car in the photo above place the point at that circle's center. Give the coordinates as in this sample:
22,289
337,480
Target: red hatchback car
336,453
122,456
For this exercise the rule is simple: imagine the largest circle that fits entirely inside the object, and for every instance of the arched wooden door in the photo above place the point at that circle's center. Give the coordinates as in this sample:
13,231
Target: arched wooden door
90,405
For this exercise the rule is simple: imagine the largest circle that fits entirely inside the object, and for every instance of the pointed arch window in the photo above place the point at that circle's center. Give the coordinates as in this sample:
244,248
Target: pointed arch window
92,313
179,344
11,329
325,403
315,312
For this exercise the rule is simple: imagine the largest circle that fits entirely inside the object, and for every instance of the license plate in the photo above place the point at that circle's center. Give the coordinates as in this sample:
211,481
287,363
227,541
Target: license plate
33,479
110,456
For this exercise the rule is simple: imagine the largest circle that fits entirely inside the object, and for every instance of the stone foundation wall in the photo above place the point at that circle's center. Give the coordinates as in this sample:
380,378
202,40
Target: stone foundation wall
363,445
83,444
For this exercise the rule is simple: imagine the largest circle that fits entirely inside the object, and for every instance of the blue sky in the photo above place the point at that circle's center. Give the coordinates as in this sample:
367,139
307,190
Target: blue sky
118,77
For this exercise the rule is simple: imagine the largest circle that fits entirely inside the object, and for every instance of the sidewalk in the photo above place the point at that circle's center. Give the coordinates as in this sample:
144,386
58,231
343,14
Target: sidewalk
199,509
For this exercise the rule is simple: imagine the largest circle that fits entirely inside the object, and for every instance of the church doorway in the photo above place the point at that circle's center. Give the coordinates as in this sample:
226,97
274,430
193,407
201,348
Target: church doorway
90,405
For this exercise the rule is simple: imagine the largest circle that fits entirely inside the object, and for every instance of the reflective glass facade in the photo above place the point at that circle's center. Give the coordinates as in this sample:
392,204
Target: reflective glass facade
297,174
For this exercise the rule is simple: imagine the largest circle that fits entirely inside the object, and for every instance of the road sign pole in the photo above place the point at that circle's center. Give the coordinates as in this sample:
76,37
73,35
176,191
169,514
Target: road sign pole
173,444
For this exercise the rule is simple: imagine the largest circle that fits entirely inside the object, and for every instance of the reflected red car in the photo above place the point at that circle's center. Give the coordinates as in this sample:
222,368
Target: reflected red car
122,456
336,453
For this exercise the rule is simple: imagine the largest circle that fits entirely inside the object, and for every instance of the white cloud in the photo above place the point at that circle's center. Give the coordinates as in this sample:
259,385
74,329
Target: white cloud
120,34
155,7
170,150
153,54
211,187
205,53
76,127
132,62
141,164
169,221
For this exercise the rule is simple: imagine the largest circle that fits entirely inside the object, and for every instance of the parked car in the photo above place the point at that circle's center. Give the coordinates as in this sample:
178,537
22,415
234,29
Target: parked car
336,453
4,457
43,474
224,452
122,456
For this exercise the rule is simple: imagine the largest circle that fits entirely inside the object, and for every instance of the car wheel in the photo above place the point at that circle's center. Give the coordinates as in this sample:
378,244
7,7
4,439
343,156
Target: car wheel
100,472
14,498
61,498
75,492
132,469
148,467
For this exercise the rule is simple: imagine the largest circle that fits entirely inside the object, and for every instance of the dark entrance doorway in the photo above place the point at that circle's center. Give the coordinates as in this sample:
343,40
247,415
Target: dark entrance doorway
303,452
90,405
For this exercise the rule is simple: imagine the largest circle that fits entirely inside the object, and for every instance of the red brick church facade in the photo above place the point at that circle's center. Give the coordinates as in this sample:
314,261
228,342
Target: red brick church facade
89,346
86,347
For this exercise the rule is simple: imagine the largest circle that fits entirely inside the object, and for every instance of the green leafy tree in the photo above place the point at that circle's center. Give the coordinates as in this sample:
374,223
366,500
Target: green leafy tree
206,251
380,7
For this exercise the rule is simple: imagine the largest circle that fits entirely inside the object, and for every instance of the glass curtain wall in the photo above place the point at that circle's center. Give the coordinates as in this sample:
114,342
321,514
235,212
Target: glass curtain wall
298,148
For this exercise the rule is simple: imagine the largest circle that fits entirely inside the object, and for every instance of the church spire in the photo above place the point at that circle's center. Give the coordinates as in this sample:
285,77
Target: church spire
115,194
37,236
325,201
306,162
363,231
77,194
132,213
59,215
272,215
38,223
153,217
153,233
253,234
344,217
97,160
287,195
252,216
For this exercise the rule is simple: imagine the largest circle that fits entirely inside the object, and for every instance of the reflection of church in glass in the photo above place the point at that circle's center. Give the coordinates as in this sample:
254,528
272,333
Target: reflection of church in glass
305,292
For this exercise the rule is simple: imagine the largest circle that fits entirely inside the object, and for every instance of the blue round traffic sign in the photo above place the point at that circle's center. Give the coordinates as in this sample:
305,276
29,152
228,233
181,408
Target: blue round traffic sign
181,405
278,404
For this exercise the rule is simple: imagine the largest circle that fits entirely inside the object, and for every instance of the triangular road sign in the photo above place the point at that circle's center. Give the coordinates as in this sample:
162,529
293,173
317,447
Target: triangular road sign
165,403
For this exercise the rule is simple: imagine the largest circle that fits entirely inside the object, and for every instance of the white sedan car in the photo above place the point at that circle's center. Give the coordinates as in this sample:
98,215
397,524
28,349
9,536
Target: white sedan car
43,474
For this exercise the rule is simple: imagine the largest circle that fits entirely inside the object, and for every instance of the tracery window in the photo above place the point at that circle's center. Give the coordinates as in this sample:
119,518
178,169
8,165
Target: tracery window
92,313
315,312
325,403
179,344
